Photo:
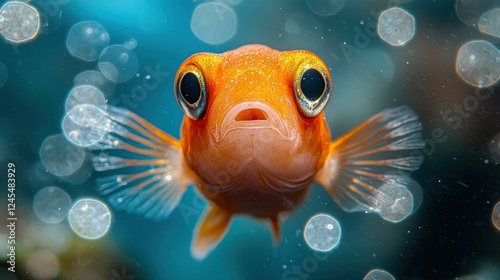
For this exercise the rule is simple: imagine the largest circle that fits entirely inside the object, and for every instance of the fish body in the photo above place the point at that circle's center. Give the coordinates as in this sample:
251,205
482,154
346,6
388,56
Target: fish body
253,141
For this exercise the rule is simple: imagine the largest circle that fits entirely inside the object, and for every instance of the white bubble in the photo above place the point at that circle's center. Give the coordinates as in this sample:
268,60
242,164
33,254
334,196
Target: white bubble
96,79
4,73
53,237
80,175
60,157
20,22
131,43
325,8
214,23
86,40
42,265
478,63
322,233
495,216
51,205
489,22
39,176
292,26
378,274
396,26
85,95
90,218
494,148
82,125
469,11
393,202
118,63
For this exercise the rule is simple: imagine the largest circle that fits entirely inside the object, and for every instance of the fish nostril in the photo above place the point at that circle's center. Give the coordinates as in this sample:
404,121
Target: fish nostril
251,114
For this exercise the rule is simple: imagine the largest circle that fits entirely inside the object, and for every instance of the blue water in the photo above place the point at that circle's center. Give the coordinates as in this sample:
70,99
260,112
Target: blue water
450,235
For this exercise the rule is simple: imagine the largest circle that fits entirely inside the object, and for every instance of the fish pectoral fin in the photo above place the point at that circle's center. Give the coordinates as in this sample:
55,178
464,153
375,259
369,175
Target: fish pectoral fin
276,228
153,174
372,158
209,232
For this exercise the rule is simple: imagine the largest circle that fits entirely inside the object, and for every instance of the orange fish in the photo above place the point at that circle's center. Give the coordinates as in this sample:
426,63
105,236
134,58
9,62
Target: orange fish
253,141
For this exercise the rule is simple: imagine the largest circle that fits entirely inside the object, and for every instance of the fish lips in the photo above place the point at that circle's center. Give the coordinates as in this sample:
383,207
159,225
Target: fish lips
253,118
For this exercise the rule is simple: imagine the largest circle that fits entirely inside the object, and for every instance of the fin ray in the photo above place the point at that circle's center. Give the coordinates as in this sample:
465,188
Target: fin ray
375,153
276,228
154,175
209,231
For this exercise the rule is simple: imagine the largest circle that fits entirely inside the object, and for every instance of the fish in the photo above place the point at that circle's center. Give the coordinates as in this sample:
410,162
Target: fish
253,141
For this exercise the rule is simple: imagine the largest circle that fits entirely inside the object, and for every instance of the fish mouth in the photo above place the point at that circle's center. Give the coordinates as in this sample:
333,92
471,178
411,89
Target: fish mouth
252,117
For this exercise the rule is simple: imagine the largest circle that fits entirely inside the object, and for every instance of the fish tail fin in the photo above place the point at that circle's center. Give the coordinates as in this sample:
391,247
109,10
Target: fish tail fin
276,228
209,231
367,168
153,175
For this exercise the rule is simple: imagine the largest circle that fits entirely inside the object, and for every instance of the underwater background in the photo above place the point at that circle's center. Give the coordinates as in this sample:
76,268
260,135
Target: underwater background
131,54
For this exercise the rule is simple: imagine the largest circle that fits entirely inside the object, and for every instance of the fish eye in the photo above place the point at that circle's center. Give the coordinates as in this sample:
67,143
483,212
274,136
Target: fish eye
191,92
312,89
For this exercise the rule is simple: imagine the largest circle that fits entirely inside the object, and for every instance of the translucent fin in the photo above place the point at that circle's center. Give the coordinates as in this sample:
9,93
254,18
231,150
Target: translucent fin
209,232
275,226
154,173
377,153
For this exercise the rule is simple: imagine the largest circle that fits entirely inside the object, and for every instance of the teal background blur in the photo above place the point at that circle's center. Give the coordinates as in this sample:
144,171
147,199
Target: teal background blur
450,235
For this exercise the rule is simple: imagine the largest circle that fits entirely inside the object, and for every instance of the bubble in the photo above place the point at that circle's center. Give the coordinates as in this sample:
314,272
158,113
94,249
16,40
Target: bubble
494,148
396,26
86,40
80,175
59,156
96,79
322,233
489,22
378,274
89,218
469,11
214,23
118,63
42,265
85,95
4,73
394,202
82,125
131,43
325,8
20,22
495,216
292,26
478,63
51,205
53,237
39,176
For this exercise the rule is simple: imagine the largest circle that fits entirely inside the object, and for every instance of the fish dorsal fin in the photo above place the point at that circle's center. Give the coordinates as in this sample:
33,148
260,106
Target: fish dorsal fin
152,173
209,231
276,228
373,157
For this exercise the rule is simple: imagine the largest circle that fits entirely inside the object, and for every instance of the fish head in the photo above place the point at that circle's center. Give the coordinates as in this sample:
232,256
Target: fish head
254,117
